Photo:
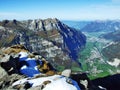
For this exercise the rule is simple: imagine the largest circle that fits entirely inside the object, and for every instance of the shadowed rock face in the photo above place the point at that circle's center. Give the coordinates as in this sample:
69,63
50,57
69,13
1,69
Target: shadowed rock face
73,40
111,82
108,82
49,37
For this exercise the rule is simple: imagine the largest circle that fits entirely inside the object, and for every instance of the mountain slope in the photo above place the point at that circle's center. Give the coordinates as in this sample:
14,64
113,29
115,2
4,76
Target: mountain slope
114,36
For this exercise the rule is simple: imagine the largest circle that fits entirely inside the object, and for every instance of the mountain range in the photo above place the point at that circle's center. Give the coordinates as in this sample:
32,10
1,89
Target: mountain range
102,26
76,24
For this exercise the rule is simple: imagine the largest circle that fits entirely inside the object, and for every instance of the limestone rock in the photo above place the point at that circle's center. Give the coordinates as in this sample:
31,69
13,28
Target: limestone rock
66,73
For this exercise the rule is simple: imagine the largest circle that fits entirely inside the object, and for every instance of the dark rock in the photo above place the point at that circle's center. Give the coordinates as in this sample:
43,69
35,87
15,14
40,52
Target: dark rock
11,66
111,82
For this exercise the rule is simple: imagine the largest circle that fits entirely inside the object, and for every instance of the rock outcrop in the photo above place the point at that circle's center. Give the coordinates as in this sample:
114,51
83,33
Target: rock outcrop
9,61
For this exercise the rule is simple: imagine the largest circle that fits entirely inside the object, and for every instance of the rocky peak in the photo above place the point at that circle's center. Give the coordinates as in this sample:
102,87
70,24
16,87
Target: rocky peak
39,24
9,22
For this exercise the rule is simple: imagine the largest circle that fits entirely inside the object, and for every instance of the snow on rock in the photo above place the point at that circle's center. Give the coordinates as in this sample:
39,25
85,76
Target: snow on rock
56,82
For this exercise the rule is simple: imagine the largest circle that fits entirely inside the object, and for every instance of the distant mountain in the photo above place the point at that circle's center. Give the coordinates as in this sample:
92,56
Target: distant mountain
76,24
102,26
114,36
49,37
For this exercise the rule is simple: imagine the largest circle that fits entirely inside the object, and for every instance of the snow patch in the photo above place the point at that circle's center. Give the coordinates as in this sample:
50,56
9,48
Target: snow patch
115,63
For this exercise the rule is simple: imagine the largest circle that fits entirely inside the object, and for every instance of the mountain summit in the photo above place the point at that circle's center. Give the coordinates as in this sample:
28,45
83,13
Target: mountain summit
49,37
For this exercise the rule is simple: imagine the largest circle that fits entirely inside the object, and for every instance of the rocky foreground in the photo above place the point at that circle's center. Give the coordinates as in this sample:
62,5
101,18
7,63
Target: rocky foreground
9,74
10,71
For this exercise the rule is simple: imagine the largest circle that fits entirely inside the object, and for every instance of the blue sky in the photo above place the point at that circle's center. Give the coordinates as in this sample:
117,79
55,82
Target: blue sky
61,9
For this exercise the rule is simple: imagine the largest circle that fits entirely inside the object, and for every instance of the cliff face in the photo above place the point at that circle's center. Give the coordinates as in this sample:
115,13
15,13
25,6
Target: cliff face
49,37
